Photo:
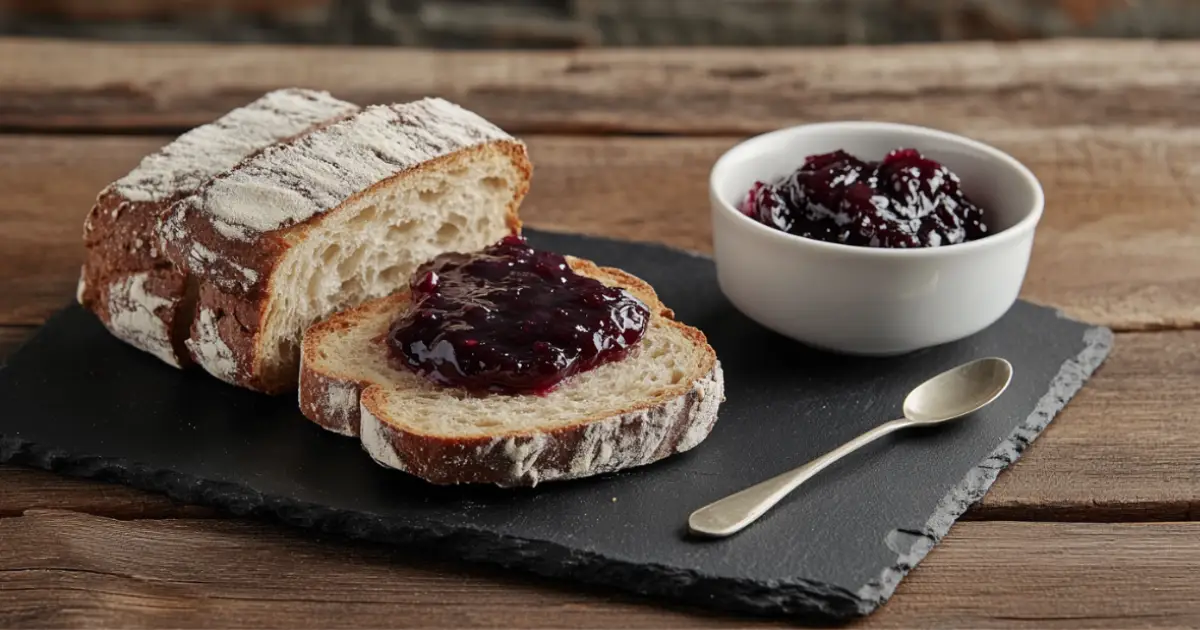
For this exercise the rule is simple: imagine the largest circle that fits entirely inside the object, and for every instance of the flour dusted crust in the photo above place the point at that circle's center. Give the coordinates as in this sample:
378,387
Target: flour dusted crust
141,308
207,340
230,230
645,432
126,280
331,402
204,152
636,437
122,255
232,233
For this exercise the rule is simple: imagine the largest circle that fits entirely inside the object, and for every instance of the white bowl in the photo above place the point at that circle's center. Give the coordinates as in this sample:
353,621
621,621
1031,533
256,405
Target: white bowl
863,300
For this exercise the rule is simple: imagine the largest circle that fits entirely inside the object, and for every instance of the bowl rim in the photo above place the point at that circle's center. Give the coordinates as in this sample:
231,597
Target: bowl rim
1014,232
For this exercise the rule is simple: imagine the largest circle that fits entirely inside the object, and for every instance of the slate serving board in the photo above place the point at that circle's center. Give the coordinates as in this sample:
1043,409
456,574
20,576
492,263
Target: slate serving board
77,401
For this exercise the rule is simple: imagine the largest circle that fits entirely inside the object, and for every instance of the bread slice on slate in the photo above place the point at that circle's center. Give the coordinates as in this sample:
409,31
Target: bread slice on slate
343,214
660,400
126,280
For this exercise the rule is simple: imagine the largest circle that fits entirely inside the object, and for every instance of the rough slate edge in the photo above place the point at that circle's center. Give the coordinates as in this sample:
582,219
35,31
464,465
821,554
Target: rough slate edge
1069,380
911,546
802,600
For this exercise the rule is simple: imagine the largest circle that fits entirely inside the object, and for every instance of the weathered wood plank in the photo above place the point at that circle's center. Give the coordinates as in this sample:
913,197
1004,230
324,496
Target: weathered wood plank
147,573
1124,449
1119,244
51,183
1052,575
89,85
28,489
152,9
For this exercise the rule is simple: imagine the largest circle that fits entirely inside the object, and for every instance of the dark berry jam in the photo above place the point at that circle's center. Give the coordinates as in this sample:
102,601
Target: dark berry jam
511,319
905,200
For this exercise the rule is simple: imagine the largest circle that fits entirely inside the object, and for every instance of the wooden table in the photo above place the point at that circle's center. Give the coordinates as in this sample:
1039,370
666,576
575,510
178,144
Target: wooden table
1093,527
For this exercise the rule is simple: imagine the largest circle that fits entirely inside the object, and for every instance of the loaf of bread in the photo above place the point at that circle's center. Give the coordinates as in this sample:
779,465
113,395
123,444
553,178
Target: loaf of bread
660,400
307,227
126,280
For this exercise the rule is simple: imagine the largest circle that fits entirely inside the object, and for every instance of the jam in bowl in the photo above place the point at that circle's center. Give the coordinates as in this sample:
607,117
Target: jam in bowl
872,238
904,200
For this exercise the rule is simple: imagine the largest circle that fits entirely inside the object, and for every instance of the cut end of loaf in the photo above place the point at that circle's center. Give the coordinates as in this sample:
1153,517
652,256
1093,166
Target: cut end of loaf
371,246
660,400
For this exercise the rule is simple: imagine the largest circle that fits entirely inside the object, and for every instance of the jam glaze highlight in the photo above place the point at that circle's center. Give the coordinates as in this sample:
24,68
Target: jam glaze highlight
512,320
903,201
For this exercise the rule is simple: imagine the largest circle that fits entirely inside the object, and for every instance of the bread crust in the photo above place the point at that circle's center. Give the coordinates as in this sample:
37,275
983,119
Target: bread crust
122,255
139,293
322,394
236,267
644,432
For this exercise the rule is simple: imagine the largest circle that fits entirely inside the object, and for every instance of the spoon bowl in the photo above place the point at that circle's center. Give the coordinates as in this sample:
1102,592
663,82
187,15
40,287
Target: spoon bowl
958,391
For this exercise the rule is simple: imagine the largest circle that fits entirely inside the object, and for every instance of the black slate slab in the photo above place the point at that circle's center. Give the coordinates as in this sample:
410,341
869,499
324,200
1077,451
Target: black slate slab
77,401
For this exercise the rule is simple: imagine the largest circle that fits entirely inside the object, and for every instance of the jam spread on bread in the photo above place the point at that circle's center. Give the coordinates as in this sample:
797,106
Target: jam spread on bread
511,319
904,201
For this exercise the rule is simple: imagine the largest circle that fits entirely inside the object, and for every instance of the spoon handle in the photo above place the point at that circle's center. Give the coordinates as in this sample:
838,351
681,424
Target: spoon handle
733,513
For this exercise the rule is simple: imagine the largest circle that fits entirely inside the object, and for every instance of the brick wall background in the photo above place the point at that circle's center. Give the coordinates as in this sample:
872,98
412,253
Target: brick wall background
579,23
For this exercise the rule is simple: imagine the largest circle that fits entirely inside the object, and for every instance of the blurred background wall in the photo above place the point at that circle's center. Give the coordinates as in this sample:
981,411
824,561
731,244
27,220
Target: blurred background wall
582,23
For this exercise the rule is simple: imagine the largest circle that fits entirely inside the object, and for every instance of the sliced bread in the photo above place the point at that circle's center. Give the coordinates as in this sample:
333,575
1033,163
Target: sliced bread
660,400
343,214
126,280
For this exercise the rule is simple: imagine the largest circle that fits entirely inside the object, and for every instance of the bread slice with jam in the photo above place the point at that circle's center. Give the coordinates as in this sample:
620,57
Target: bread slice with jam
661,398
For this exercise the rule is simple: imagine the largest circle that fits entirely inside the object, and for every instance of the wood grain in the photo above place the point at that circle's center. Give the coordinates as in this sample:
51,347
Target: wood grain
1124,449
89,85
28,489
152,9
50,185
1119,243
63,569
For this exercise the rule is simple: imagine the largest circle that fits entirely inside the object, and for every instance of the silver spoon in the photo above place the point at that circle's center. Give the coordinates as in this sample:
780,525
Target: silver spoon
948,396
